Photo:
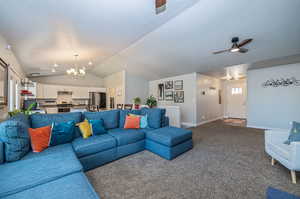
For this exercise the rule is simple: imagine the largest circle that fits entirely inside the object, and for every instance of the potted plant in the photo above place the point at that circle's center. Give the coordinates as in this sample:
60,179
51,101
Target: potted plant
26,112
137,101
151,101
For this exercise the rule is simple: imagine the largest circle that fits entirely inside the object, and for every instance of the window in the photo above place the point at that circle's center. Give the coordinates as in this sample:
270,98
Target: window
236,91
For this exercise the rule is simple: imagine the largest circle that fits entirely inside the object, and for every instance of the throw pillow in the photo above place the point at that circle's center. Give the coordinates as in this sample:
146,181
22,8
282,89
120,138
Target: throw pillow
14,135
143,120
85,129
132,122
40,138
97,127
62,132
294,133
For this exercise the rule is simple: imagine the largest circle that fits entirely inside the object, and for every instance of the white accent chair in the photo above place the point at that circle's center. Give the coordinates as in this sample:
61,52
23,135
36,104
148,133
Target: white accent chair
287,155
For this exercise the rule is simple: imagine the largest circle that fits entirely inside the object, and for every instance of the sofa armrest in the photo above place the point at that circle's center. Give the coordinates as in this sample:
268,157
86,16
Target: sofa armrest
272,136
295,157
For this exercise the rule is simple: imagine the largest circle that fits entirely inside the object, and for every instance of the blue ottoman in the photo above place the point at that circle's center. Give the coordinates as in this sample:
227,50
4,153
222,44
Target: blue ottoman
169,142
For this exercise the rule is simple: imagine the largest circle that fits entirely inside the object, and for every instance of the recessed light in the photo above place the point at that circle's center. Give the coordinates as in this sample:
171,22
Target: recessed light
90,63
53,70
55,65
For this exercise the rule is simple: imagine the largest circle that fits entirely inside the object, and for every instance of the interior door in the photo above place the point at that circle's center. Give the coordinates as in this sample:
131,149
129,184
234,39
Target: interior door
236,99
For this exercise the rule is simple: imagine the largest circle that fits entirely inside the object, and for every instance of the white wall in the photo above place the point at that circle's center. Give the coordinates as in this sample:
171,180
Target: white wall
115,86
15,72
88,80
273,107
188,108
208,107
136,87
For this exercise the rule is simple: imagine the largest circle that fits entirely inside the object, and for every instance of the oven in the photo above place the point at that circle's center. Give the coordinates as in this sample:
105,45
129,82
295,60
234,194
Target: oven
64,108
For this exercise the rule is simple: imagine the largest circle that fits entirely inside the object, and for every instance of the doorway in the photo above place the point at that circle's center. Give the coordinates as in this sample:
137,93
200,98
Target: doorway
236,99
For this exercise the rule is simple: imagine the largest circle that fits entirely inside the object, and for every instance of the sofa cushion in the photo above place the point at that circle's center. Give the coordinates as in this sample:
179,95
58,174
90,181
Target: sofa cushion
110,118
93,144
169,136
124,113
126,136
154,116
71,186
14,135
38,168
40,120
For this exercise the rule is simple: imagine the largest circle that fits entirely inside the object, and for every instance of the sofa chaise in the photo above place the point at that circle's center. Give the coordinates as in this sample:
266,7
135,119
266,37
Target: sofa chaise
58,171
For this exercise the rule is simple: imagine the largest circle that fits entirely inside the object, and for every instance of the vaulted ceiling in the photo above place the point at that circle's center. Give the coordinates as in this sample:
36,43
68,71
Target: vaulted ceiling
127,34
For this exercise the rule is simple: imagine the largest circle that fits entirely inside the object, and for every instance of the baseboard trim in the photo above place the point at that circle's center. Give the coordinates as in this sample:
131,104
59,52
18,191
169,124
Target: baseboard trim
265,128
208,121
187,124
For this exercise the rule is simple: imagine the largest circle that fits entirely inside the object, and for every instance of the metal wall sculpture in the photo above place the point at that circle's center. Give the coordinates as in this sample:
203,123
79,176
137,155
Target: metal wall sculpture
281,82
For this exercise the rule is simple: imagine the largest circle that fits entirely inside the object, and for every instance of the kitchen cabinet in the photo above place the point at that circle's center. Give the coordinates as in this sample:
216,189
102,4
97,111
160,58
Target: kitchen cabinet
80,92
50,91
39,90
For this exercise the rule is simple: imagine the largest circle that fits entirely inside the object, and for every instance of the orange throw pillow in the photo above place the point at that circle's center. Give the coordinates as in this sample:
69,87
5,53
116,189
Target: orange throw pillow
40,138
132,122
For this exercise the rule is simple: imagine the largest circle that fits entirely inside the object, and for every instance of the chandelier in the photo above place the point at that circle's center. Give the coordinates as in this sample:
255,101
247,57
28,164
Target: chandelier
76,71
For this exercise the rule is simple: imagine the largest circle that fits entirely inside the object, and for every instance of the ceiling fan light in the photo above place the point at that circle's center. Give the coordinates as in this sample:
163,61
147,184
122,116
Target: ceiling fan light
234,50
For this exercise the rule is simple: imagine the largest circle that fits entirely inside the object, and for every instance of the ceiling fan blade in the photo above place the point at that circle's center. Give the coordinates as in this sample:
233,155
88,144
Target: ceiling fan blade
243,43
243,50
160,3
221,51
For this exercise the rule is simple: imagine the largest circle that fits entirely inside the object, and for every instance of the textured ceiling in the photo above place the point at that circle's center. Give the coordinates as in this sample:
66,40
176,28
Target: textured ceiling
44,32
185,44
119,35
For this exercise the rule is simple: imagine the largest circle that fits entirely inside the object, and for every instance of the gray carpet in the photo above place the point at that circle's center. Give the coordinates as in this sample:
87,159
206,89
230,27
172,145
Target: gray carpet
226,162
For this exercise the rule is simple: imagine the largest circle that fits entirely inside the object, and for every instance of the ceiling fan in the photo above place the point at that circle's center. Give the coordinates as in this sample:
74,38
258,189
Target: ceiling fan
160,6
236,46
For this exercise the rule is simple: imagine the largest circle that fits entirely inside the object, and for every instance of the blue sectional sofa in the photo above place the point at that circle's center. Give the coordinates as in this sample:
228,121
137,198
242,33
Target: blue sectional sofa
58,172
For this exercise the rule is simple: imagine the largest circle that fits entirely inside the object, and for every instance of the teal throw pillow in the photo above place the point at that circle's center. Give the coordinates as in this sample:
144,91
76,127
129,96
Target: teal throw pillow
144,121
97,127
294,133
62,133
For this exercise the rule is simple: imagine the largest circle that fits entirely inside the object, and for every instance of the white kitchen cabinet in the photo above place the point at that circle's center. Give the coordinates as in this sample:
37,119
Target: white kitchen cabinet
40,90
80,92
50,91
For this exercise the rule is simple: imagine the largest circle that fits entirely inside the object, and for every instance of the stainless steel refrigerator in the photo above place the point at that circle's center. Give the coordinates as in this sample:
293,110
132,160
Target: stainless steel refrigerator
97,100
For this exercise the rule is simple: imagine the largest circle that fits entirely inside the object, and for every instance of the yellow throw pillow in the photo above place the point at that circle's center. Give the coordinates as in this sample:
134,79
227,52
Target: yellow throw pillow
85,129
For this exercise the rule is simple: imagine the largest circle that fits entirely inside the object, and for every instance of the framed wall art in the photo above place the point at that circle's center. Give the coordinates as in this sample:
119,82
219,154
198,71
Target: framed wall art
169,95
178,85
168,85
179,96
161,93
